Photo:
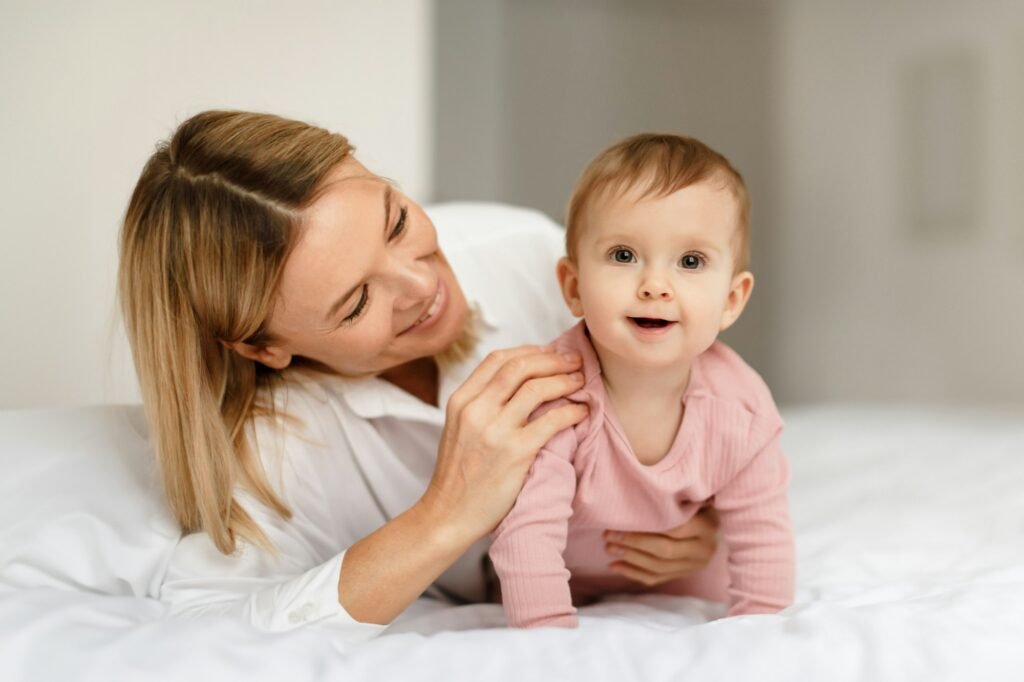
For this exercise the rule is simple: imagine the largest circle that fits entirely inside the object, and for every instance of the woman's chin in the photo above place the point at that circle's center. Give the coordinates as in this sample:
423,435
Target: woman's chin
464,342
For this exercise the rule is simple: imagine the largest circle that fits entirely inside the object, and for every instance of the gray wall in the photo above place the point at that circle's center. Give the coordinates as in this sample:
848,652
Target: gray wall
883,143
902,224
528,91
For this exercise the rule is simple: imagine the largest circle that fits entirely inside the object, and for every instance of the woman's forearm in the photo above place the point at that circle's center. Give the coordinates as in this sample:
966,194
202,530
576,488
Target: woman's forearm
487,446
387,570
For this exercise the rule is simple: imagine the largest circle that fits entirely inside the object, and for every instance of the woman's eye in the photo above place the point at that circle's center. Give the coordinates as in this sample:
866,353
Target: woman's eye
621,255
363,298
399,225
691,261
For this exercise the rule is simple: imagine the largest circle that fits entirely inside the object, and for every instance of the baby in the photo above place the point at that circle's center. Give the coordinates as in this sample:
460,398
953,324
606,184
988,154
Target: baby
657,248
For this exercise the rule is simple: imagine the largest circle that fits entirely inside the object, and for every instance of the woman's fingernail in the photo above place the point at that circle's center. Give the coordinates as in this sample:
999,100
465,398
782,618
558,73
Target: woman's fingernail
614,550
571,357
613,536
576,376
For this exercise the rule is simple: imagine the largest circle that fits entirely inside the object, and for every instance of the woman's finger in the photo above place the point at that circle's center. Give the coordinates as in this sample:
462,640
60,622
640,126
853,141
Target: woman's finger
709,514
663,568
698,547
542,429
636,574
484,373
513,375
535,392
703,524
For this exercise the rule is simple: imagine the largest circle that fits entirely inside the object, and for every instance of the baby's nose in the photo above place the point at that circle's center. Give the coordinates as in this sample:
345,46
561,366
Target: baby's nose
655,290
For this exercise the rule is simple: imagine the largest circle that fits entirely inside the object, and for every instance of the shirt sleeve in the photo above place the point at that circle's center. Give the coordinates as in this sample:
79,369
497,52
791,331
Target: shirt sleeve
295,586
755,526
528,544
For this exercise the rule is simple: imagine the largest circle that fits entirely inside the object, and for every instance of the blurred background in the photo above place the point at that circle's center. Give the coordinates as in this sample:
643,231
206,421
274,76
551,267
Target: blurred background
883,143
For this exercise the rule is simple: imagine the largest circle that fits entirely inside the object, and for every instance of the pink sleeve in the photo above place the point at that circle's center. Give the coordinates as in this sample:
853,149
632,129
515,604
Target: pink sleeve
528,544
755,527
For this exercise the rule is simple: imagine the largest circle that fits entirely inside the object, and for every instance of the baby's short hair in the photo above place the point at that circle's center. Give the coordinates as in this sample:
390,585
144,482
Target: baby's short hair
659,164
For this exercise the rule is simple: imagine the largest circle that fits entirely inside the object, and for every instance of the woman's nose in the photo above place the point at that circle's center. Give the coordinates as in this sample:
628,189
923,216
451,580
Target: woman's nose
415,281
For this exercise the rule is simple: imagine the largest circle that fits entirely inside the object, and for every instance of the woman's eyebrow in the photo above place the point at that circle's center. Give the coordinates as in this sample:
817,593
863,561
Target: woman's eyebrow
333,310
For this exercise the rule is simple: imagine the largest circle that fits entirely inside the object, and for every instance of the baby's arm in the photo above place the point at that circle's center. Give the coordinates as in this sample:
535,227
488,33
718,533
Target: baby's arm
755,526
528,544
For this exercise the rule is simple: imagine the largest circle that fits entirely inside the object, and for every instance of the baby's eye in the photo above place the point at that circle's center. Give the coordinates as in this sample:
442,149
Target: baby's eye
691,261
622,255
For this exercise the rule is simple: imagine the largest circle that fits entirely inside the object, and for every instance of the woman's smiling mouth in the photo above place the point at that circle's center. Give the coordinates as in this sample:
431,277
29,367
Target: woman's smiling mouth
433,312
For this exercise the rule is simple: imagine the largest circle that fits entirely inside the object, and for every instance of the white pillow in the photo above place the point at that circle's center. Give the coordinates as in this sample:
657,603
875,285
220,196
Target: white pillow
80,502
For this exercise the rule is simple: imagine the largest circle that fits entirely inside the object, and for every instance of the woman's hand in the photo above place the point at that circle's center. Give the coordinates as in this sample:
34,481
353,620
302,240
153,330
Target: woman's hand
655,558
488,443
486,449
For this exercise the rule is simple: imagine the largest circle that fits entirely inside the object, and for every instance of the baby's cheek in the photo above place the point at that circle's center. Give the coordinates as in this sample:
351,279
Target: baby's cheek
705,323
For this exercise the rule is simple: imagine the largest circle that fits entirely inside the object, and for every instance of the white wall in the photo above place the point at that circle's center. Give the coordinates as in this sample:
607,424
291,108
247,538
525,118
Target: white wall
89,87
874,306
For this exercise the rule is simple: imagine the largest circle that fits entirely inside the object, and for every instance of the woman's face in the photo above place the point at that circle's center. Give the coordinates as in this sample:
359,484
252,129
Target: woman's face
366,288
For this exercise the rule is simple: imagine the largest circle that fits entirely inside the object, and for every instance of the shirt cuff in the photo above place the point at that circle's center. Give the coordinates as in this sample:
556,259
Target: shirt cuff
311,600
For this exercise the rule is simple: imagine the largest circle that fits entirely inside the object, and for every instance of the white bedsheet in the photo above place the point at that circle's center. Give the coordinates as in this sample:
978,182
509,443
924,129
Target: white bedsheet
910,543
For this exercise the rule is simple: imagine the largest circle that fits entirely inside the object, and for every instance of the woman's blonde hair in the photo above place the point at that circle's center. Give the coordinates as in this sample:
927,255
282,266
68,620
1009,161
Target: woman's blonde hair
205,238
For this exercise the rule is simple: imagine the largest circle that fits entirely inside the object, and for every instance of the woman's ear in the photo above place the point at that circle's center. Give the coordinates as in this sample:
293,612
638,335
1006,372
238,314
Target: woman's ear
274,357
568,280
739,294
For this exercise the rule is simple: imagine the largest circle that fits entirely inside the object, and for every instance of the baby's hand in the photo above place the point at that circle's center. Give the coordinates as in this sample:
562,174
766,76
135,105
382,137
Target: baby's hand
655,558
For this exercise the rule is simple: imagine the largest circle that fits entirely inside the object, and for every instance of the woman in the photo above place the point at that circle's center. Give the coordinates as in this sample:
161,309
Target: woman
297,328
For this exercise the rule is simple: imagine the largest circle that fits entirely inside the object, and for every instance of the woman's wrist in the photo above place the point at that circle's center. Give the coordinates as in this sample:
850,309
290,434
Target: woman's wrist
388,569
442,525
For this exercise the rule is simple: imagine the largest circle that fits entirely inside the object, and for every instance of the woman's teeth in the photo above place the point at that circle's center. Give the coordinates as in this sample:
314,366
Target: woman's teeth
433,307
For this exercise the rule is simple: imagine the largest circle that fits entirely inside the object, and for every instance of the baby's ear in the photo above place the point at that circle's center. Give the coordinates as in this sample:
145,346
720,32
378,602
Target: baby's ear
739,294
568,280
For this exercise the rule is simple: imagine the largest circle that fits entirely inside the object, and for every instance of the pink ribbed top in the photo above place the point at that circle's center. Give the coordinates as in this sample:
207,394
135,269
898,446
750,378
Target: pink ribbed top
586,480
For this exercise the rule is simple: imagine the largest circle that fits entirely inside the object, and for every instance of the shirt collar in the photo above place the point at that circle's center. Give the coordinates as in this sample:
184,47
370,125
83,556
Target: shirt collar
373,397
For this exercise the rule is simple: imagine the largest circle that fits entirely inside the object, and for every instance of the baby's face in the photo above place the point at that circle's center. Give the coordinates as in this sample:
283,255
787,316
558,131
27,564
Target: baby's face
654,276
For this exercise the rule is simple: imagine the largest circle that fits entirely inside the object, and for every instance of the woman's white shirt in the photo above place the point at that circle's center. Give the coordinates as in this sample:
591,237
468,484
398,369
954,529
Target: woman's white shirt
354,453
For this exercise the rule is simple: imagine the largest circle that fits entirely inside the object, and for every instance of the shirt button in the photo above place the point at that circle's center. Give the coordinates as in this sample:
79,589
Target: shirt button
301,614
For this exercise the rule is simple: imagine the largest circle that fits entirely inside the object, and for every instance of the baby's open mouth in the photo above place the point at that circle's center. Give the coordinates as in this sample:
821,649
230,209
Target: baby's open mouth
650,322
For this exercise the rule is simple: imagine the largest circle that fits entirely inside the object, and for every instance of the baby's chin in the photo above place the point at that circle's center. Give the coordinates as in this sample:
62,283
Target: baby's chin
666,356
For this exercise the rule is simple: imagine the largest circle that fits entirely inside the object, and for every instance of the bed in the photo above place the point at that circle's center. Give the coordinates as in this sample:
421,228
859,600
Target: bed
910,543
